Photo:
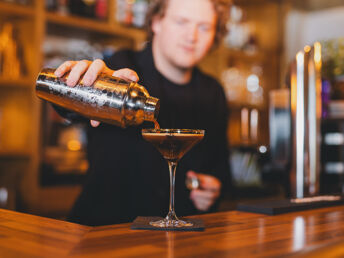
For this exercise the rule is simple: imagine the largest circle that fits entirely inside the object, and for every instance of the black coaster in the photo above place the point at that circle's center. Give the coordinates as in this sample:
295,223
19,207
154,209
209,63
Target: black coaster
143,223
274,207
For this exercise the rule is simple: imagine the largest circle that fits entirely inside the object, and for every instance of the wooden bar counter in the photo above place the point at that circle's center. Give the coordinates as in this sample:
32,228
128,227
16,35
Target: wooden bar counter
227,234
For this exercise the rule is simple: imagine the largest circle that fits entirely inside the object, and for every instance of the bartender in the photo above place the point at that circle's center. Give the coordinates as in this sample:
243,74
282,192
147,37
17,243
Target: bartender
127,176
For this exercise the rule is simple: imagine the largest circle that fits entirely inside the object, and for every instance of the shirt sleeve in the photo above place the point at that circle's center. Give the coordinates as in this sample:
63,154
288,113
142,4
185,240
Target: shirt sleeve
70,115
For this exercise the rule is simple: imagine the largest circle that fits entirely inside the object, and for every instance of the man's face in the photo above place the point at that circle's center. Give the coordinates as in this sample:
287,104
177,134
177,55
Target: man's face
186,32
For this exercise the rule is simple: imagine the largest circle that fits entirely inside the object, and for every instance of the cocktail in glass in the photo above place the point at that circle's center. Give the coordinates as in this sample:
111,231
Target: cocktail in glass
172,144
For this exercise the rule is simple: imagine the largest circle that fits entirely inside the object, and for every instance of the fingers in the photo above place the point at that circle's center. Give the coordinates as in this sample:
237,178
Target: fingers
203,194
126,74
94,123
97,66
207,182
64,68
203,200
77,71
203,205
91,70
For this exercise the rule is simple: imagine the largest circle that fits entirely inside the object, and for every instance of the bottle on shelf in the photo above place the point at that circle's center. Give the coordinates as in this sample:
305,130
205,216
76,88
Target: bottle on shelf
132,13
10,54
22,2
101,9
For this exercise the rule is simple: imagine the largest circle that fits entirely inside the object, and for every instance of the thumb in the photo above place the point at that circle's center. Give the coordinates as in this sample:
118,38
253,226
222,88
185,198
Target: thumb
191,180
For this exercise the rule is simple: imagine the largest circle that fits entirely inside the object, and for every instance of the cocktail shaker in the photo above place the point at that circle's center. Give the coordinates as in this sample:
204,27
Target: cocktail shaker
110,99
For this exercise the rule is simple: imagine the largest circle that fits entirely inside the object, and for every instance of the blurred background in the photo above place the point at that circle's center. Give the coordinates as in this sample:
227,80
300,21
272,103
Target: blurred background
42,156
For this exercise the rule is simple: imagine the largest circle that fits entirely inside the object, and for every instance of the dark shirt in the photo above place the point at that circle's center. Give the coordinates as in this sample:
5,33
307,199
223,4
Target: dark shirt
127,176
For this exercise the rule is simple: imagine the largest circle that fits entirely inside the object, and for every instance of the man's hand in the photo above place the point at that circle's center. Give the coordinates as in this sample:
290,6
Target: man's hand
89,72
205,196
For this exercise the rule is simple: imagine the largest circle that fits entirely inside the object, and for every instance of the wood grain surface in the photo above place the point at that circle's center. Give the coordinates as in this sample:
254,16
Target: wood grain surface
227,234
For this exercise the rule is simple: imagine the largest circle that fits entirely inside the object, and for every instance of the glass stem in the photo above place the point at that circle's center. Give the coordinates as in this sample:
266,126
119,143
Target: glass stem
172,168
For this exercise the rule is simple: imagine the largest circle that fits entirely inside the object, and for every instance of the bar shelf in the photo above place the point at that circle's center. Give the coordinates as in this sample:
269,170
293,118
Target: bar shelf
16,83
103,27
16,10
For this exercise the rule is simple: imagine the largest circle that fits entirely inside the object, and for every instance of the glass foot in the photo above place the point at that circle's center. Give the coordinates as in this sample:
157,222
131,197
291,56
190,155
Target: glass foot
164,223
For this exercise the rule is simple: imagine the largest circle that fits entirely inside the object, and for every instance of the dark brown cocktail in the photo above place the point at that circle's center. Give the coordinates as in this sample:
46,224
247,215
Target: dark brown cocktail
172,144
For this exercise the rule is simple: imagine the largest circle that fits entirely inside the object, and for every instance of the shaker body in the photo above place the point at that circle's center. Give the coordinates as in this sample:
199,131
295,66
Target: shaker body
110,99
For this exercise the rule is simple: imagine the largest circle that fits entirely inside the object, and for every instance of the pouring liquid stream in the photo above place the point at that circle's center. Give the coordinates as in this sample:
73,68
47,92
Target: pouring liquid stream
156,125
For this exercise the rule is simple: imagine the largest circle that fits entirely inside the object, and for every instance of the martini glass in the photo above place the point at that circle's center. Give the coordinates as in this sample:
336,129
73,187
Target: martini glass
172,144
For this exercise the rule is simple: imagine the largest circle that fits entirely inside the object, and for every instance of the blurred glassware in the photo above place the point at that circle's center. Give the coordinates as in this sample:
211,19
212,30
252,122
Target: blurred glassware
242,86
279,126
132,12
249,126
11,65
240,32
51,5
62,7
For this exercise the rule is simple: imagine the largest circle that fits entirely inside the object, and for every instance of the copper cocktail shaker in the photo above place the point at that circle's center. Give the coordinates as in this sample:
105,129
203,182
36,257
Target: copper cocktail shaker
110,99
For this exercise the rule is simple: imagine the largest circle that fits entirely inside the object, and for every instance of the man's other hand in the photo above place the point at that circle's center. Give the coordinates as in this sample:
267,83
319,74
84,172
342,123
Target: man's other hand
207,193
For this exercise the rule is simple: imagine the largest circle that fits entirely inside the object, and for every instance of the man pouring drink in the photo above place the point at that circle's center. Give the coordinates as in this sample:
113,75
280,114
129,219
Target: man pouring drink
127,176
